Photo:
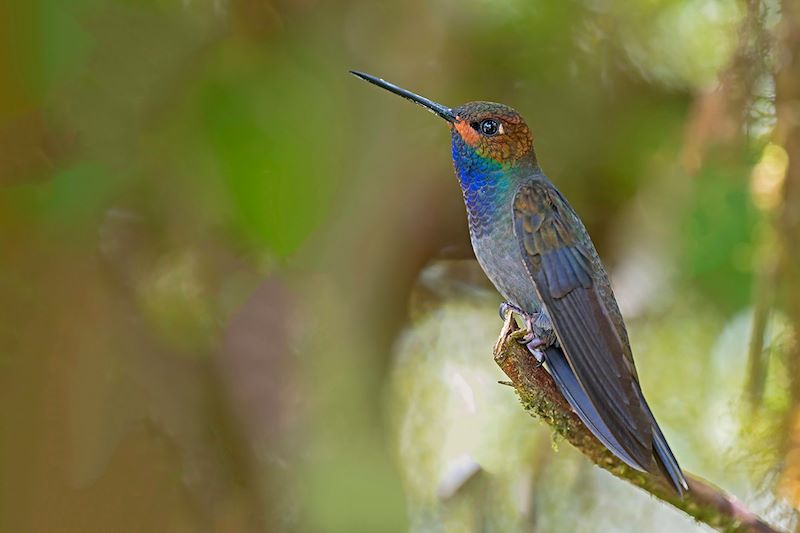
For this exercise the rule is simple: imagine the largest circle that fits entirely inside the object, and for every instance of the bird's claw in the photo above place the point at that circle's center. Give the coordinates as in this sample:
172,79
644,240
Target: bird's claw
525,336
534,347
506,308
530,336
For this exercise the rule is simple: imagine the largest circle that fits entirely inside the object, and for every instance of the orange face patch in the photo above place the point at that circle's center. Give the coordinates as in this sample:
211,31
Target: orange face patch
513,139
467,132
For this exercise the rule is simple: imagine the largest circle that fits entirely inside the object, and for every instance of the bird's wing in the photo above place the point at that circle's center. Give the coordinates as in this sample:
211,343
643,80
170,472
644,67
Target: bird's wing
560,263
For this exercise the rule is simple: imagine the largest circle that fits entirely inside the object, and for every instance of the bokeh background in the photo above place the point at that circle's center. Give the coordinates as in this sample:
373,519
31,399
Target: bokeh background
236,288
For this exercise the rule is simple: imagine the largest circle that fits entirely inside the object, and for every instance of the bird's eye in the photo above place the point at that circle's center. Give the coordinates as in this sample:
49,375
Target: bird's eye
489,127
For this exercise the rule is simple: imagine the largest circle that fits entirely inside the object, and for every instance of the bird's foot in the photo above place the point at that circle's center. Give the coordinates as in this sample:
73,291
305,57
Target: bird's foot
534,346
525,336
508,307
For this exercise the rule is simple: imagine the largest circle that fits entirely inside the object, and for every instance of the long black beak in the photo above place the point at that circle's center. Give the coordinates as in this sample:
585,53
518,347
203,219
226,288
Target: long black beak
444,112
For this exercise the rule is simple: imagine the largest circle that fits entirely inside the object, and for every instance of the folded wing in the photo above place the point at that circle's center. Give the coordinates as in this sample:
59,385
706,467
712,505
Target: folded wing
560,266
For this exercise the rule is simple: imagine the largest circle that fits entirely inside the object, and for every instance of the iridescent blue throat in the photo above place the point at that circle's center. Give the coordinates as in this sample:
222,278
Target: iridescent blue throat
484,183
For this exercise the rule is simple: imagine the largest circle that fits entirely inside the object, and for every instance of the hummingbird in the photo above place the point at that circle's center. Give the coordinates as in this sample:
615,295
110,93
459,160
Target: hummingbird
534,248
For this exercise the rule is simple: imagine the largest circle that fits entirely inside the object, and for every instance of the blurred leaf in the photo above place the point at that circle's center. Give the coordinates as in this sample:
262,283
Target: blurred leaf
275,137
718,237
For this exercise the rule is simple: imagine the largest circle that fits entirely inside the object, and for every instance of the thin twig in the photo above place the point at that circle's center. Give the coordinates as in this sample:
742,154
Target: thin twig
758,357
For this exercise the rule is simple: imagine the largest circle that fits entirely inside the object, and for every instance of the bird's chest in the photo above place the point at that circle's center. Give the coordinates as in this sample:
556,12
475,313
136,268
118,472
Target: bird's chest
488,194
500,257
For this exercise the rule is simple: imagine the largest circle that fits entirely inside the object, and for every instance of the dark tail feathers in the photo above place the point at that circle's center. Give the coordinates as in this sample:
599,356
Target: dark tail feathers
666,460
568,385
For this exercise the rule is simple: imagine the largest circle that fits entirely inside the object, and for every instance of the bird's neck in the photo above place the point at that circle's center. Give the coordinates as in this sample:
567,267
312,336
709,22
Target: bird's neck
487,186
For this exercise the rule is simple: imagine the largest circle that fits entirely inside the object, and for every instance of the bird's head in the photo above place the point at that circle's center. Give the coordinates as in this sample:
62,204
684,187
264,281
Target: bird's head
481,131
491,131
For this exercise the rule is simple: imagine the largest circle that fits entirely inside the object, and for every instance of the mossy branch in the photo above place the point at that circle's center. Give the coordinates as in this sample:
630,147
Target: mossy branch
539,395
